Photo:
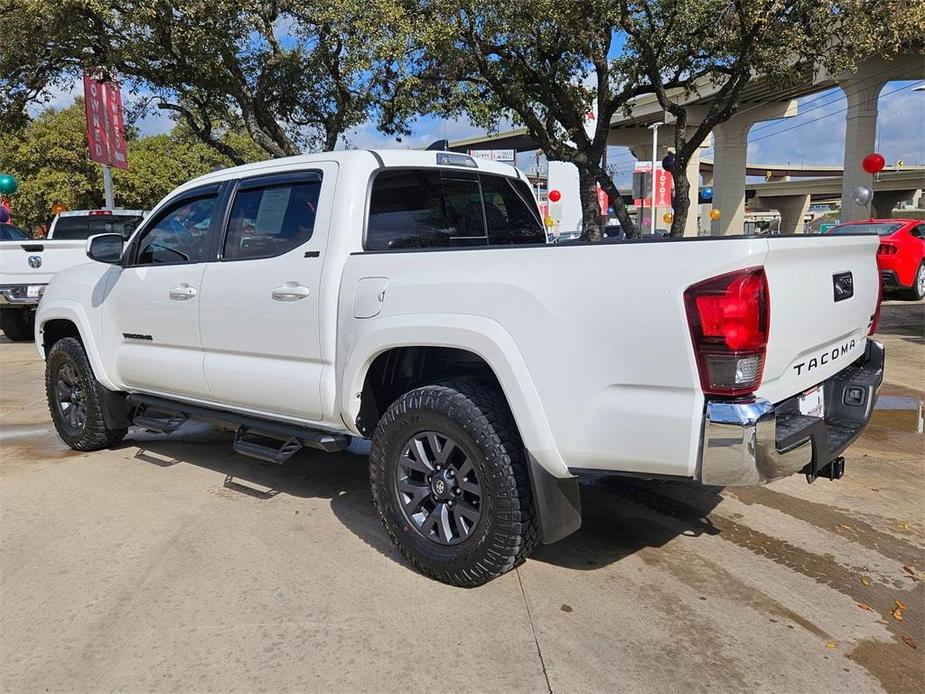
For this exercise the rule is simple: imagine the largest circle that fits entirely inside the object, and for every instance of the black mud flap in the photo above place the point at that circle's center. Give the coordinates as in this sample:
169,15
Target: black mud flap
558,503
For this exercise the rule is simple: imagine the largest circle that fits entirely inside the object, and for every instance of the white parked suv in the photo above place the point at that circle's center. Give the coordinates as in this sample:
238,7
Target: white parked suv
409,297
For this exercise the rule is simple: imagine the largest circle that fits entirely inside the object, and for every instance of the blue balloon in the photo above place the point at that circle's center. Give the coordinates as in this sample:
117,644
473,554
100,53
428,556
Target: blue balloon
668,162
707,192
4,215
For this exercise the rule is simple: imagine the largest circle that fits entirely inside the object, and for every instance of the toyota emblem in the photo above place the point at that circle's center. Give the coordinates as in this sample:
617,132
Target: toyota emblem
35,261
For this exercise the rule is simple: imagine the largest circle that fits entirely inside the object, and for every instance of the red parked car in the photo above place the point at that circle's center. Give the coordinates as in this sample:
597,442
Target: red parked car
901,256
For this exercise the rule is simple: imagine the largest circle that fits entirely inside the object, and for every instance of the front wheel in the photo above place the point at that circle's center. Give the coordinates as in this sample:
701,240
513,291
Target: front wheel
18,324
917,291
74,400
450,483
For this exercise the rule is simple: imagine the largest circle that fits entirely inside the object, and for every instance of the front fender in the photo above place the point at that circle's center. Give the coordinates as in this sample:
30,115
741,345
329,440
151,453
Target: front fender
477,334
73,311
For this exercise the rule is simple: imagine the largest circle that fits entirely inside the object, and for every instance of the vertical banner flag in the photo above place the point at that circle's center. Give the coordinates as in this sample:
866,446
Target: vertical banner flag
105,123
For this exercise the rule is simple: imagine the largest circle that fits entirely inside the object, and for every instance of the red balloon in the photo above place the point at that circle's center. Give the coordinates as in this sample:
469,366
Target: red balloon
554,195
873,163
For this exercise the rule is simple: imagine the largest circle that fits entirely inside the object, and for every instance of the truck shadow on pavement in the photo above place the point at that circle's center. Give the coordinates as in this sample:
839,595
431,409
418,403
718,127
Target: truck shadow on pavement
620,516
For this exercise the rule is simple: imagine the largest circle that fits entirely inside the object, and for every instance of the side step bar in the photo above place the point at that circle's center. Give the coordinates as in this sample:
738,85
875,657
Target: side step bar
167,423
290,437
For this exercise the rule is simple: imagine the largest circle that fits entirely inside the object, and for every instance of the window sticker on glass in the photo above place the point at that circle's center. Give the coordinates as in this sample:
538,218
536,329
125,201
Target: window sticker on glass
272,210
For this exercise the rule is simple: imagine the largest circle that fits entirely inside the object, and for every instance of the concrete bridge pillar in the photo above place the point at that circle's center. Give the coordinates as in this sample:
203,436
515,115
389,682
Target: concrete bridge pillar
792,209
885,201
730,144
862,90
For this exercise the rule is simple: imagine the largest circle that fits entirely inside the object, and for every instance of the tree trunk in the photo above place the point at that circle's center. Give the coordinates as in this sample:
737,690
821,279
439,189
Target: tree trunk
590,210
619,207
681,198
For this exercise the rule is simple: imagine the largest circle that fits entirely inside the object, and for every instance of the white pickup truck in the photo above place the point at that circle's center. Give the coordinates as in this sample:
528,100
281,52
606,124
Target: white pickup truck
409,297
27,265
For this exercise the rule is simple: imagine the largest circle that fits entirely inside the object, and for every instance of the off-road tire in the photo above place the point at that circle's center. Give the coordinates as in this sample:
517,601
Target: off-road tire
93,435
915,292
18,324
478,418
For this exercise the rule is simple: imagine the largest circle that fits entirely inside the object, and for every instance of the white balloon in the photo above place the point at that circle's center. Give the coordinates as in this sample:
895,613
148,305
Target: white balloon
862,195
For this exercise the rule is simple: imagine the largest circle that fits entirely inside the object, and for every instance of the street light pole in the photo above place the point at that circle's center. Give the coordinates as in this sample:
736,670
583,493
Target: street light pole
654,127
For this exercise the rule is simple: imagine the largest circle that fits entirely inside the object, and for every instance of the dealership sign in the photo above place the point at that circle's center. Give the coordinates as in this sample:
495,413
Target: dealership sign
505,155
663,186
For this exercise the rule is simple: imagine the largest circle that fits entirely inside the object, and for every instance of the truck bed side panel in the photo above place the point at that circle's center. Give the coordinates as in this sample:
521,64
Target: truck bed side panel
602,330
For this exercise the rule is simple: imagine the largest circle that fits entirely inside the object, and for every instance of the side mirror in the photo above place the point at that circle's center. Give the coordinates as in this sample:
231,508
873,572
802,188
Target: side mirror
105,248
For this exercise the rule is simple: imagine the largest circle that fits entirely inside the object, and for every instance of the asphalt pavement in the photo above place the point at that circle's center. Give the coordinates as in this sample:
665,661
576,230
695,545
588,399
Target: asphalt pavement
172,564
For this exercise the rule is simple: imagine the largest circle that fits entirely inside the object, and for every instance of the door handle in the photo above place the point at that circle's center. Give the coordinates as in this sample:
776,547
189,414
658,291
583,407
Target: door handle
291,292
183,292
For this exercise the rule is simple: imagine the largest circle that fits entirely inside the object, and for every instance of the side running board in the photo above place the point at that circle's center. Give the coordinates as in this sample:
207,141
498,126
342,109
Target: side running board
264,439
153,420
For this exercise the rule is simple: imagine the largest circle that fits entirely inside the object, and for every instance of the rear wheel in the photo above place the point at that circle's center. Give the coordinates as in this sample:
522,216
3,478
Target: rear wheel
74,400
917,291
450,482
18,324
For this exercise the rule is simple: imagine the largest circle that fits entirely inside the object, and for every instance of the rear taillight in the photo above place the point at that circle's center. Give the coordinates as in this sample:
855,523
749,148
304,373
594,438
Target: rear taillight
94,213
875,318
887,249
729,317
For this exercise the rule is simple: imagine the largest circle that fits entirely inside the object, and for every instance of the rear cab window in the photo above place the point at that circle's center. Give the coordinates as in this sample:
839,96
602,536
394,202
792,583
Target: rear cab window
84,226
445,208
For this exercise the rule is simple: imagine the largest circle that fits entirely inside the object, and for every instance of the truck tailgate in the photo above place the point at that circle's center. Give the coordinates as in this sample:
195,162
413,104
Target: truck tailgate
36,262
817,330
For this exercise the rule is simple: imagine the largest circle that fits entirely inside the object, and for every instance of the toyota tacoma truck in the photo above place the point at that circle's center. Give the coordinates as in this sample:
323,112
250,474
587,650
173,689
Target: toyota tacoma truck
409,298
27,265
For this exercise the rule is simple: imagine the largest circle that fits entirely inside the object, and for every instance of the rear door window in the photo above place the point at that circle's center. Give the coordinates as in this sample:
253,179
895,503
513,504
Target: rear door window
269,220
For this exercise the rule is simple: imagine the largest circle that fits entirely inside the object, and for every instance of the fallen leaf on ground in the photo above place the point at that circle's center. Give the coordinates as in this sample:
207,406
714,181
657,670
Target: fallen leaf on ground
898,614
830,645
903,526
875,489
901,605
909,642
846,527
865,606
909,570
566,608
865,580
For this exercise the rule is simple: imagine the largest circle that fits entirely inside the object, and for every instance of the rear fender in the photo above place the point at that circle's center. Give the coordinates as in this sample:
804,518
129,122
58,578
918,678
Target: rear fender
477,334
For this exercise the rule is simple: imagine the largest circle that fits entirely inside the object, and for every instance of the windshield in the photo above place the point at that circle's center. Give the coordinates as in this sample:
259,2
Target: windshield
879,228
10,233
86,226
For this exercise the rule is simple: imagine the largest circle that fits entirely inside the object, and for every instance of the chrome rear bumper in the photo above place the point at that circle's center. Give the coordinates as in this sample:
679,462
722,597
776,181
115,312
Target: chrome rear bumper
15,295
753,442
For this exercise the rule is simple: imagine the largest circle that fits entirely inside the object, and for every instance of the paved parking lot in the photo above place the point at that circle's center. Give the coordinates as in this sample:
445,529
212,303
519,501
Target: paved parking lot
173,564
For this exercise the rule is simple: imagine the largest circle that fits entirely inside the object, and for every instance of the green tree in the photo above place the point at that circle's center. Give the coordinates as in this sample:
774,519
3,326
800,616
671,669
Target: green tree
48,157
292,74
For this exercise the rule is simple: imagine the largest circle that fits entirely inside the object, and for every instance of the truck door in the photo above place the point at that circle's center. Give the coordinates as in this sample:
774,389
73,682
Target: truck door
259,314
151,321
